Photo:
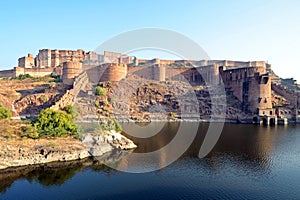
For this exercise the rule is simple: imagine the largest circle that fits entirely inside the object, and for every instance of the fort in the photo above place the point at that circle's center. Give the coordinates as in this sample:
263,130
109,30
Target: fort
250,82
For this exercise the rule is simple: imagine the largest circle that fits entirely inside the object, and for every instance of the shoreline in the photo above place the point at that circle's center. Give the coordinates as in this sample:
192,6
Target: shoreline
28,152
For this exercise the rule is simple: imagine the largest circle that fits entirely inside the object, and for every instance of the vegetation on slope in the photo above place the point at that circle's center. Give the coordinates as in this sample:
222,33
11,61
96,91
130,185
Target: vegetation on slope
51,123
5,113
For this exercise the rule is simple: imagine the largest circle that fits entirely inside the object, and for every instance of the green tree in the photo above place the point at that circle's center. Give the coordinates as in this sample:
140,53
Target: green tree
55,123
5,113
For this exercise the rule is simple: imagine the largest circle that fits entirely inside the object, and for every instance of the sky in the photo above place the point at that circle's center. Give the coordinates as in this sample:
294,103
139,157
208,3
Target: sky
233,30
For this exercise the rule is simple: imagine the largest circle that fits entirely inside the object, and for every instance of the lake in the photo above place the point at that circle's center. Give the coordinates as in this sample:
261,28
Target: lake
248,162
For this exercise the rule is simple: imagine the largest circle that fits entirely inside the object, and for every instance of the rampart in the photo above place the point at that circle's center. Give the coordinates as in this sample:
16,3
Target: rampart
33,71
252,86
291,96
7,73
114,72
69,97
70,71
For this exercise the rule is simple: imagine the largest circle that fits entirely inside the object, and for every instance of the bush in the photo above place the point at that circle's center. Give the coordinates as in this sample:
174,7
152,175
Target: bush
97,104
108,84
50,123
172,115
32,132
44,99
100,91
104,102
5,113
71,110
56,78
24,76
111,124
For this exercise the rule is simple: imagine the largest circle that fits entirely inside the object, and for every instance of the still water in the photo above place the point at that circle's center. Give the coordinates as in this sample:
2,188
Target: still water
248,162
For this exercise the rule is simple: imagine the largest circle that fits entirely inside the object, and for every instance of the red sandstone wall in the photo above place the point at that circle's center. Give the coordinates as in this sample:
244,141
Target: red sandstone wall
260,93
70,71
251,88
114,72
69,97
34,71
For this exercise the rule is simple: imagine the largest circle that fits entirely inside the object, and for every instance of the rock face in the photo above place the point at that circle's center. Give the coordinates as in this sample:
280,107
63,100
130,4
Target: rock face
20,152
28,152
99,143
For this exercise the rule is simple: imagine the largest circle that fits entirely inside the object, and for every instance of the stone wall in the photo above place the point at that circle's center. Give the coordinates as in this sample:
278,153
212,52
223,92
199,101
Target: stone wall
12,73
26,61
114,72
33,71
259,94
7,73
250,85
70,71
291,96
53,58
69,97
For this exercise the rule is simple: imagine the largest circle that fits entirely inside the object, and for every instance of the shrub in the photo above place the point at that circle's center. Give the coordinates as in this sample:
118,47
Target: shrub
32,132
44,99
5,113
108,84
111,124
71,110
100,91
56,78
24,76
97,104
104,102
55,123
172,115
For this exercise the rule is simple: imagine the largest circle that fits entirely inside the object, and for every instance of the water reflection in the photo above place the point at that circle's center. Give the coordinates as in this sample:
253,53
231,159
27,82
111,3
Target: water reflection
251,149
47,175
249,146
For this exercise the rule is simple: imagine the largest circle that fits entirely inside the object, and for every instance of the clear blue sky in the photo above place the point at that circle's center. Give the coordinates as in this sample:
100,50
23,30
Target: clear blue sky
236,30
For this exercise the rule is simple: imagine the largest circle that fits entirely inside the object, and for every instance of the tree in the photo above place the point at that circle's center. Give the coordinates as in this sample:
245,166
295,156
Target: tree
55,123
5,113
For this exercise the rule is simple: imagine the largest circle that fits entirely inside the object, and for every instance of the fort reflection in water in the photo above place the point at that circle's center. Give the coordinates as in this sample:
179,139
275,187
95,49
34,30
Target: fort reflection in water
249,145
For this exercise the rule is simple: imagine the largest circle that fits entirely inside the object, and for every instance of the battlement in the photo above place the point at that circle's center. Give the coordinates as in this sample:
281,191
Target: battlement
70,70
114,72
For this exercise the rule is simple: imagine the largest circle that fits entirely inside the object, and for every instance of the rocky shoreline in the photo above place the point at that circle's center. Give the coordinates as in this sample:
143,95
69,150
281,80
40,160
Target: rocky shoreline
23,152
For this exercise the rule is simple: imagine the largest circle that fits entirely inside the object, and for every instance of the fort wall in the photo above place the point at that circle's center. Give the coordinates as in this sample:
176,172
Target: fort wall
69,97
7,73
114,72
259,95
291,96
37,72
26,61
70,71
250,85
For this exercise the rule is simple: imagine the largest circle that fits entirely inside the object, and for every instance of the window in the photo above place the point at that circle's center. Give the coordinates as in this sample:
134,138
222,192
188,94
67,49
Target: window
259,99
